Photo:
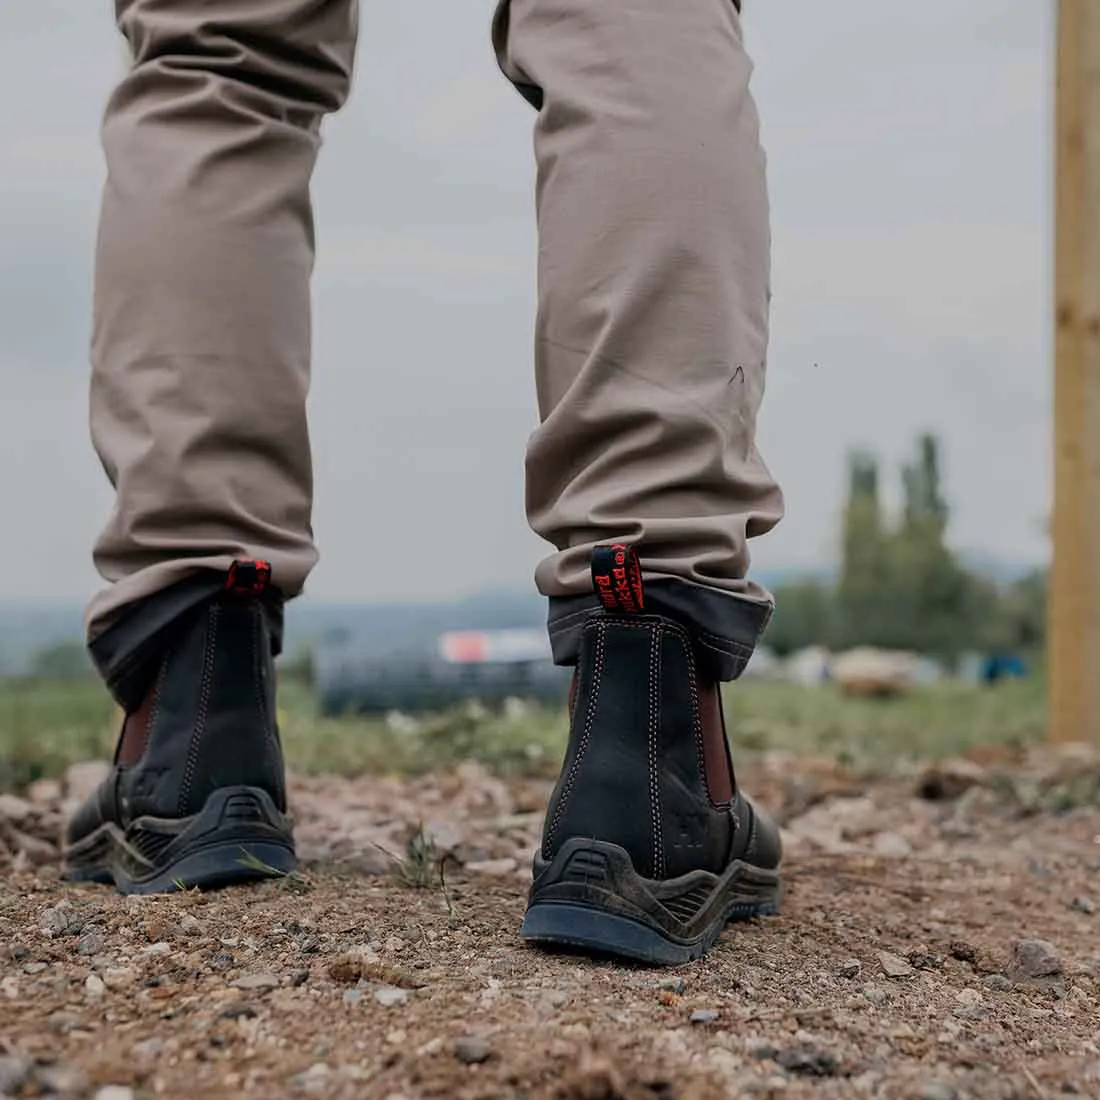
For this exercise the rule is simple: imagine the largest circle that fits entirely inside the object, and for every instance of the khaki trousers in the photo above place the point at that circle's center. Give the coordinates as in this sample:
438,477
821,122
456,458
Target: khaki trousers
653,289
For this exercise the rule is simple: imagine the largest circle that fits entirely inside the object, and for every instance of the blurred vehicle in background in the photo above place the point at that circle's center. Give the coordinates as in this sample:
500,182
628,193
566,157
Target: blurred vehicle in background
490,666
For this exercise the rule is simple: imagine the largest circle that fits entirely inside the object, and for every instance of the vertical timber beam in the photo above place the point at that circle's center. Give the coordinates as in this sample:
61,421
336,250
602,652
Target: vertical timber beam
1074,649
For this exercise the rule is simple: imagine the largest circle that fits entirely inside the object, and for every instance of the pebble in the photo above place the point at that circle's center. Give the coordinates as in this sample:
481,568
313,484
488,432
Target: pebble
44,792
9,987
998,982
968,996
894,966
875,994
257,982
189,926
937,1090
118,977
15,809
389,995
352,996
673,985
472,1050
148,1049
62,1079
93,986
14,1073
60,920
91,943
159,948
892,846
1083,905
115,1092
1034,959
808,1062
851,968
493,867
704,1016
34,968
81,780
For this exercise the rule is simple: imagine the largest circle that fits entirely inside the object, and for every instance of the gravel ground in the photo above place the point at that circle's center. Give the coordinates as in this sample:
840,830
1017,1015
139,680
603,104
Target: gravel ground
939,941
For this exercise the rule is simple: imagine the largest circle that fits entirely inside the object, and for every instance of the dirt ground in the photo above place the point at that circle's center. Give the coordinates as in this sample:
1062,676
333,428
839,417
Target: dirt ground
939,939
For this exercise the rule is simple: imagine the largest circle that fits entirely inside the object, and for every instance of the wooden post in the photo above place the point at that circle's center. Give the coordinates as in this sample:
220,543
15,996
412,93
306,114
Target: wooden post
1074,650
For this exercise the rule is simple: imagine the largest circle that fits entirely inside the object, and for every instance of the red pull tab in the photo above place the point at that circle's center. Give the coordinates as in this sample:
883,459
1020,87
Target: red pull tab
248,578
617,575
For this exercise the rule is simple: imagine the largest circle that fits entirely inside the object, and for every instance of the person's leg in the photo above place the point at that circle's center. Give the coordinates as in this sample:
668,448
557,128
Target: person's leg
650,353
200,372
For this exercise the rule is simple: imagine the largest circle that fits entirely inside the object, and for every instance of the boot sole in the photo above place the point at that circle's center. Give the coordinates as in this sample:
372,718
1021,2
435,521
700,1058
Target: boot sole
239,836
589,899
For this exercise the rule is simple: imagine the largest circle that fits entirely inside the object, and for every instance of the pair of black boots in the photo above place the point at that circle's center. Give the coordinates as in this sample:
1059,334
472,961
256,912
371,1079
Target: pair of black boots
649,847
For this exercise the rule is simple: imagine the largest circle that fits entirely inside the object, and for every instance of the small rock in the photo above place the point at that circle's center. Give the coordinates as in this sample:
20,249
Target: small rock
9,988
64,1080
808,1062
892,846
44,792
968,996
14,1073
60,921
257,983
148,1049
189,926
496,868
159,948
937,1090
94,987
34,968
119,977
963,951
314,1079
894,966
389,995
91,943
36,850
81,780
673,985
704,1016
240,1011
222,961
299,977
875,994
115,1092
1083,905
924,960
352,997
949,780
15,810
472,1050
851,968
997,982
1034,959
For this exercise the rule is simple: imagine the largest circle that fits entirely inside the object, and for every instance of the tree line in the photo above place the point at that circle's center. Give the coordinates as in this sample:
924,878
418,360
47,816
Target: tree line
901,586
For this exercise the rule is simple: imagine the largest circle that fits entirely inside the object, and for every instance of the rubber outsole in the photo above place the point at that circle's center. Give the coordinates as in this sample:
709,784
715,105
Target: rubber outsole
238,837
590,900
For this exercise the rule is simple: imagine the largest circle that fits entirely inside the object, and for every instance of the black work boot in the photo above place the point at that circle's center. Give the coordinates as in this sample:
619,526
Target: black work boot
649,848
197,794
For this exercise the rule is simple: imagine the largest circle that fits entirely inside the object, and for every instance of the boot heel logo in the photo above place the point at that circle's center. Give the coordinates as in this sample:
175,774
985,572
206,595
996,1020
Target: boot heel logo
617,577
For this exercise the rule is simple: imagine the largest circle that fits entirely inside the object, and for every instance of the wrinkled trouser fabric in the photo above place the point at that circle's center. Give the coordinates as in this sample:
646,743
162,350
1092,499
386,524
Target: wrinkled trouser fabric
652,325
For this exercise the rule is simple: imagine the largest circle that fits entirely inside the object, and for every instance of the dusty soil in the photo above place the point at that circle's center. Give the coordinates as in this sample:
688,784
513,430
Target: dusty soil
939,940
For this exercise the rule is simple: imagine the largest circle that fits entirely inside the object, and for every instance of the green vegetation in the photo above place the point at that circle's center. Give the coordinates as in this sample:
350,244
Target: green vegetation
900,584
47,725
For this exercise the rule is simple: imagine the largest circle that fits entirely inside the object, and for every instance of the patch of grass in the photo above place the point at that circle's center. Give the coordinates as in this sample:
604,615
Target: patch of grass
47,725
44,727
294,881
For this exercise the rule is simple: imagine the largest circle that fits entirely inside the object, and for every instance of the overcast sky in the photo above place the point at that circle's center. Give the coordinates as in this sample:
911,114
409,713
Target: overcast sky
909,163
